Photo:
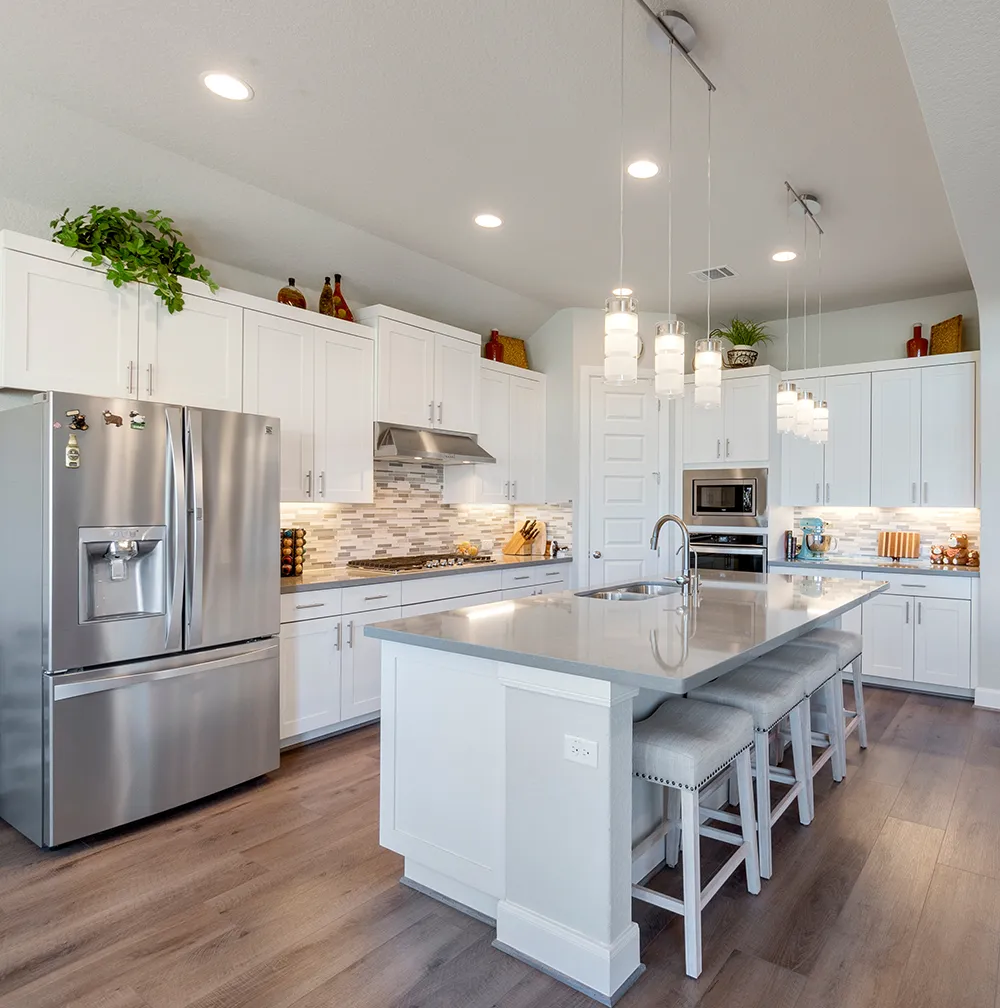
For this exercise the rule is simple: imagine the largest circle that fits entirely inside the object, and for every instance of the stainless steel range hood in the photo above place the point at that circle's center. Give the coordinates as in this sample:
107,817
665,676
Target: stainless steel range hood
404,444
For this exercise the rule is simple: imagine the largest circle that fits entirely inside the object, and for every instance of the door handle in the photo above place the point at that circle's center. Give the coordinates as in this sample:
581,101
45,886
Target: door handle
336,643
727,447
913,493
907,610
920,613
309,482
128,388
525,577
441,413
513,490
350,633
817,493
430,413
322,484
718,448
149,379
372,598
554,574
828,493
596,554
506,490
312,605
925,491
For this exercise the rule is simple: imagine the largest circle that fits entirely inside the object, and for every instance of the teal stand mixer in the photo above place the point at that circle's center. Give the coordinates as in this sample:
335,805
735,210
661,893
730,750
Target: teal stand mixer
815,542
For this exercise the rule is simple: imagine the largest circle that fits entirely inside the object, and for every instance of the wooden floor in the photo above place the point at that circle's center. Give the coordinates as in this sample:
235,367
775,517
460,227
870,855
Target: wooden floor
277,894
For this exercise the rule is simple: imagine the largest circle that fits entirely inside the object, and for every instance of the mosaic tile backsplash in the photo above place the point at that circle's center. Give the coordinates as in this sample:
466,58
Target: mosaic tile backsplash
857,529
408,517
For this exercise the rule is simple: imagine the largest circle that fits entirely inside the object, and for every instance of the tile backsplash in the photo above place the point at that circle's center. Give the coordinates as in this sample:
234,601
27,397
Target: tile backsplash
857,529
408,517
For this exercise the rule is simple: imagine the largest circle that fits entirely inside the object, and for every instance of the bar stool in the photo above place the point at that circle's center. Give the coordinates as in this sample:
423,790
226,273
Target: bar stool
846,646
820,676
684,745
769,695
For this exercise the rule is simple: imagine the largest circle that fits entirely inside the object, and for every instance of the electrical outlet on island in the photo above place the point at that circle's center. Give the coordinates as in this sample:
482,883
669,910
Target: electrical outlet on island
580,750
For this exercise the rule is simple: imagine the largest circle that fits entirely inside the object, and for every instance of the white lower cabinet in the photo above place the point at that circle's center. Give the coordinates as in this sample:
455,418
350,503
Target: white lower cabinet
942,641
888,637
361,669
310,675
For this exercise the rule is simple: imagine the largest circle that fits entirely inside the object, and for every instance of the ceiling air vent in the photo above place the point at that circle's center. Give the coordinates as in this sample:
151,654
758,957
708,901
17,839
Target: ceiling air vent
714,273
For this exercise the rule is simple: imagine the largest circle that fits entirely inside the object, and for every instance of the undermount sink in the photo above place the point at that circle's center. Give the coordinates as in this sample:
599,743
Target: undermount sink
635,592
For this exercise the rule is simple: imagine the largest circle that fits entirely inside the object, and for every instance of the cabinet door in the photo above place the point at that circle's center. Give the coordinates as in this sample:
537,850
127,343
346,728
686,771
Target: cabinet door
703,433
943,641
278,380
405,375
895,467
493,481
888,637
526,592
67,328
948,436
747,411
310,676
193,357
848,451
345,418
802,463
527,441
361,682
456,381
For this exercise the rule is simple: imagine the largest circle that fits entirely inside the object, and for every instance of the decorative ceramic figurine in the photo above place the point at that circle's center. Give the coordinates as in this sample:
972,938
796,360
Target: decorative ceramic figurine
956,553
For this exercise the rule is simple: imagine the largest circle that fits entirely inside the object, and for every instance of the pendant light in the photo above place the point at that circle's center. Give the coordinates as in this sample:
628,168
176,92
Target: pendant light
821,412
788,394
668,362
708,351
806,402
621,310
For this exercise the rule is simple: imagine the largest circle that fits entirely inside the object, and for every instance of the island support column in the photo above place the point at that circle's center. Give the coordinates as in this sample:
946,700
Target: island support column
568,897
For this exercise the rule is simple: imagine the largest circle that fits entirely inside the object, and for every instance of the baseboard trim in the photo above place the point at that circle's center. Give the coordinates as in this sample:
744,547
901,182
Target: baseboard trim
449,891
988,698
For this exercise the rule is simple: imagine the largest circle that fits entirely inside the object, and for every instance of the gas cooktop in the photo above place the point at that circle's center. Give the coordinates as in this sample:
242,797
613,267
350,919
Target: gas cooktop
412,563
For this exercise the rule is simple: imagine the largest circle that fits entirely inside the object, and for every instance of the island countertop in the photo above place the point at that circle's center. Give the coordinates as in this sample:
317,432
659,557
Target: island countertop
661,643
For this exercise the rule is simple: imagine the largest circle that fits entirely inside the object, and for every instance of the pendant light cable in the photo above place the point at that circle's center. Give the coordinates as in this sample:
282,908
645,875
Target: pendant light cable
670,189
708,186
621,153
805,292
819,285
788,288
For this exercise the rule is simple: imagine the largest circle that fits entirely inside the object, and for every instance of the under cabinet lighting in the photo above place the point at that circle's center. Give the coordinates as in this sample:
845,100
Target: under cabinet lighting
227,86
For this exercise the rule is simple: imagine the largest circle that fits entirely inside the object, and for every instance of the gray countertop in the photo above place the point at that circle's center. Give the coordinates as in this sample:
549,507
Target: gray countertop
658,643
338,577
874,563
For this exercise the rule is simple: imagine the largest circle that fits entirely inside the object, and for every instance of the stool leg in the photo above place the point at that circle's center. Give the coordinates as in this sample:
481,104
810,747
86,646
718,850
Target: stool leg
834,697
859,703
802,761
806,735
672,810
762,755
690,842
734,787
744,782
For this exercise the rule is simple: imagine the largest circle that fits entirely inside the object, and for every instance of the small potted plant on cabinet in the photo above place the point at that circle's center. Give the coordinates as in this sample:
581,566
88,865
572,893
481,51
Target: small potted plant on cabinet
745,337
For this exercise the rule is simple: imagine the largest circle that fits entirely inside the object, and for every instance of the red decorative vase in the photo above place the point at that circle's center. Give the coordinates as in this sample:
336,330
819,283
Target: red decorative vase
917,346
494,348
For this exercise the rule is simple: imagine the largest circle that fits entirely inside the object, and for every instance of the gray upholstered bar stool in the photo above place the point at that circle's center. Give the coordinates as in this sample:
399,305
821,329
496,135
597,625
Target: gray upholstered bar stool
769,695
820,677
685,745
846,647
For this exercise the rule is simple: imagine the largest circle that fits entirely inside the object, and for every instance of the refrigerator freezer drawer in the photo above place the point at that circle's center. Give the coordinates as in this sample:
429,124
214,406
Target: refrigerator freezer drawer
129,742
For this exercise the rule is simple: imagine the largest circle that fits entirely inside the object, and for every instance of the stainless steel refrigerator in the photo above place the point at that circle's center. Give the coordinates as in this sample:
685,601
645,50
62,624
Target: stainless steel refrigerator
139,609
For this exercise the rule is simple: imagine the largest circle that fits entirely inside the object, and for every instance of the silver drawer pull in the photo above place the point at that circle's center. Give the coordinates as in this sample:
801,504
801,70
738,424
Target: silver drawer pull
522,577
904,584
554,574
312,605
372,598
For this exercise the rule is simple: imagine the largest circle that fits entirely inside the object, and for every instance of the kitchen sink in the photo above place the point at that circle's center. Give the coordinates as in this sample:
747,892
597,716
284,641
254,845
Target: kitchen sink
634,592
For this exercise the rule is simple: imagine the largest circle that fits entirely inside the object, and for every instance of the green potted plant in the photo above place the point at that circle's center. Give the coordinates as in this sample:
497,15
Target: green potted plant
137,247
744,336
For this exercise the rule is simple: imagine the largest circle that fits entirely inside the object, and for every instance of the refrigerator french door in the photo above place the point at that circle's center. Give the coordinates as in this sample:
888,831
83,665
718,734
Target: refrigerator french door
138,665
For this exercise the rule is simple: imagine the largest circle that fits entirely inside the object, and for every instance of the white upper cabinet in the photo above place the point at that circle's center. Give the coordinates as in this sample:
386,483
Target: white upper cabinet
527,440
193,357
494,480
739,433
66,328
948,436
427,372
803,473
345,417
895,438
848,467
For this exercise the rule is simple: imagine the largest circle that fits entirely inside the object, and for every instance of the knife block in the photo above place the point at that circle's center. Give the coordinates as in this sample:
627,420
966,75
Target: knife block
517,545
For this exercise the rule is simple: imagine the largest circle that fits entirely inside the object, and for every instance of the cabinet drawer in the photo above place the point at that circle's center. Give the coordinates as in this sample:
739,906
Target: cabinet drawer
445,605
518,577
362,598
451,587
924,585
307,605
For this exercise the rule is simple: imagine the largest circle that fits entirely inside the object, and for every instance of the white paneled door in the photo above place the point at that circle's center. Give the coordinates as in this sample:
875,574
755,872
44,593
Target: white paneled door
888,637
747,412
406,374
948,441
361,671
848,449
494,394
310,675
942,642
527,440
704,433
802,473
624,446
456,383
895,438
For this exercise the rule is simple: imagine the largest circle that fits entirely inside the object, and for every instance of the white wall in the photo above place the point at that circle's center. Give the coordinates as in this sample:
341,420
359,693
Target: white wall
873,333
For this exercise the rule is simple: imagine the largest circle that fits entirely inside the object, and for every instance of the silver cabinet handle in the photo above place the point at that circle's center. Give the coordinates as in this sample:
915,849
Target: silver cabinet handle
727,447
718,448
322,483
311,605
596,554
905,584
925,491
430,413
336,643
350,633
920,613
828,493
913,493
128,388
513,490
817,493
554,574
149,379
907,610
525,577
372,598
441,413
506,490
309,483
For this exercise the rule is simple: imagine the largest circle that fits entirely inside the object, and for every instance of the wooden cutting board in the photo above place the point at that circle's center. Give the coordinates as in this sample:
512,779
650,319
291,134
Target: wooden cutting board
899,544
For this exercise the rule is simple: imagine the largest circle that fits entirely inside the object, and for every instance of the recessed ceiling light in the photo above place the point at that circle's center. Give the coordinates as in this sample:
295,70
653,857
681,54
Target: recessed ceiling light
785,255
227,86
488,220
643,169
622,292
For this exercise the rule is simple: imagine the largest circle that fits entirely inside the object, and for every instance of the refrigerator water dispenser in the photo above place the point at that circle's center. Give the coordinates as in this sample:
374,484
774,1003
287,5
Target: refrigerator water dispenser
123,573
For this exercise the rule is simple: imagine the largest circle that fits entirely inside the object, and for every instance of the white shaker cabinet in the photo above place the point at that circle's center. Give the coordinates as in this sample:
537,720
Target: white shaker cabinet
310,675
847,469
942,641
888,637
456,382
487,484
895,438
703,432
406,393
66,328
803,472
194,356
361,669
748,414
527,440
948,436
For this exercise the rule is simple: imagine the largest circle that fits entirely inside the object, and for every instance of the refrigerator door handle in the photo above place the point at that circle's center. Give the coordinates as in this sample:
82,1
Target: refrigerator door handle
177,519
195,579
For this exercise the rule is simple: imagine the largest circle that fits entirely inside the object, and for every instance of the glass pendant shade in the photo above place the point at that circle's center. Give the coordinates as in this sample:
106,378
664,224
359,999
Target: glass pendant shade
708,373
669,384
668,362
820,432
621,340
621,369
804,414
787,399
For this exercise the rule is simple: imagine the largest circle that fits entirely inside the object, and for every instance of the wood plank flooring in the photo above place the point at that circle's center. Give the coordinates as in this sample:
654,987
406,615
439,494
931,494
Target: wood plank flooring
277,895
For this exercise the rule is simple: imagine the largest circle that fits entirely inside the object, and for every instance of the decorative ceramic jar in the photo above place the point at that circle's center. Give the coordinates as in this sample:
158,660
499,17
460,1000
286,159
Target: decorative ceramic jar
741,356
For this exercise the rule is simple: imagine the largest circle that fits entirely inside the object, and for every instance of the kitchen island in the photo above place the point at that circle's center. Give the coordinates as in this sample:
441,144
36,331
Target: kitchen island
507,750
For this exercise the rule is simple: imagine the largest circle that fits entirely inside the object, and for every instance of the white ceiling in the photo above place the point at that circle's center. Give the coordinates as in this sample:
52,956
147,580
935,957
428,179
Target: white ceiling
406,120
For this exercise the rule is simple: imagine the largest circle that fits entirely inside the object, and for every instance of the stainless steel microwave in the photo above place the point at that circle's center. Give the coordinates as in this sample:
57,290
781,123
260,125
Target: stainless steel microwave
730,498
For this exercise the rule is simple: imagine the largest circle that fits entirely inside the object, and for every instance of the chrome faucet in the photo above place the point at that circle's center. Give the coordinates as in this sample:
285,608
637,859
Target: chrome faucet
684,578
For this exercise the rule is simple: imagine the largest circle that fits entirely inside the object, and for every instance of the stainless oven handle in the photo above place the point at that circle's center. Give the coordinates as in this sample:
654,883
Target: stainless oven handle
734,550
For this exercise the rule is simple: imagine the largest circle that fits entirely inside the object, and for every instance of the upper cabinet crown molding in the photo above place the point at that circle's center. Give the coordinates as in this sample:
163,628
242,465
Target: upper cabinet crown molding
872,367
371,313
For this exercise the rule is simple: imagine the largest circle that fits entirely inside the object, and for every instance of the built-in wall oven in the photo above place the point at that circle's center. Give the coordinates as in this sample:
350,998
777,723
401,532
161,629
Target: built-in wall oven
729,552
733,498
